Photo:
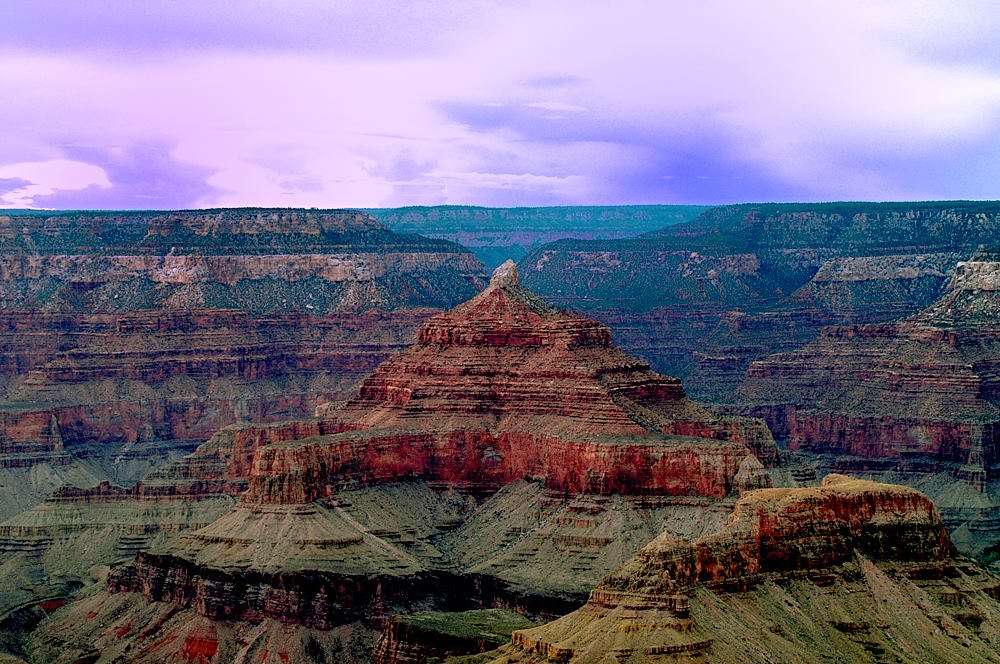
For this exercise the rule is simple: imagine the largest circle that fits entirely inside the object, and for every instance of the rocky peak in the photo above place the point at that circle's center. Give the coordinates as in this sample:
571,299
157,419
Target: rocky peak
980,273
972,299
506,386
505,275
507,314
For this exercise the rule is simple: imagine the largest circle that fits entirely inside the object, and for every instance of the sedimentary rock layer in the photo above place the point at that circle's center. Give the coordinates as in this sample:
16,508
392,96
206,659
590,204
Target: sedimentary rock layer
701,300
852,570
313,566
126,338
499,234
506,386
790,530
923,388
65,542
380,505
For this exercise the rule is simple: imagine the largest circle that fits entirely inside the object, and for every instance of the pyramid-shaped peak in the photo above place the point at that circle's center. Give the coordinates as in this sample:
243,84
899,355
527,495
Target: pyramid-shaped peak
505,275
508,314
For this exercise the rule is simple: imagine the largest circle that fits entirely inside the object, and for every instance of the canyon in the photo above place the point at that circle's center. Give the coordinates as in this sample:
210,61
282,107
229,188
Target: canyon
126,339
913,401
252,435
498,234
863,333
704,299
508,459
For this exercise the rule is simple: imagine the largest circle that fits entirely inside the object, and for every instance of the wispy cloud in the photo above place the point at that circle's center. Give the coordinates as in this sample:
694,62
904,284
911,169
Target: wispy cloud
349,28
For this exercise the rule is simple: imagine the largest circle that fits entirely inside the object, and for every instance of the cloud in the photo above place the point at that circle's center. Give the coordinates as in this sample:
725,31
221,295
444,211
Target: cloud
556,106
367,104
13,184
134,177
45,178
553,81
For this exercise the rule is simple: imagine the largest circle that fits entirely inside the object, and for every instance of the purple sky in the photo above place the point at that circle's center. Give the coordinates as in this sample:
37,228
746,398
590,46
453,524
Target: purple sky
190,103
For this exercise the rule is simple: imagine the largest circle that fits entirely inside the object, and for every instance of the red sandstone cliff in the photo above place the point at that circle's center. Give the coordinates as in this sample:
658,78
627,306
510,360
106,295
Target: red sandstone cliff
793,530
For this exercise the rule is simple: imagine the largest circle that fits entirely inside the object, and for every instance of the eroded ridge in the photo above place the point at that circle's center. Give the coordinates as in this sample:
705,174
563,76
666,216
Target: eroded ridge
853,570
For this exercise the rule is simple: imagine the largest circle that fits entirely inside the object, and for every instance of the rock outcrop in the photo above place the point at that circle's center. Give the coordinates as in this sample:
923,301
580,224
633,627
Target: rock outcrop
509,458
507,386
501,388
850,571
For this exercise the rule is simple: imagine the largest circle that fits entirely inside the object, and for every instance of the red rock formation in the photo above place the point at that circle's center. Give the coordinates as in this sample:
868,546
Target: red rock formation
222,463
502,388
100,390
25,434
795,530
835,569
924,389
506,386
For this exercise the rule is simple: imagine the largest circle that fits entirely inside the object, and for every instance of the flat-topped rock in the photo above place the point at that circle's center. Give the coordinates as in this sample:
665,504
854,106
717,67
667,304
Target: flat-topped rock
792,530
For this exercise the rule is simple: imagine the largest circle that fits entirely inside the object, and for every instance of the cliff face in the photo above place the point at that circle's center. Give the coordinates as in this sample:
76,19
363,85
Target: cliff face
138,335
27,432
111,624
54,547
506,386
122,379
244,259
703,299
793,530
508,459
915,400
59,543
852,570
